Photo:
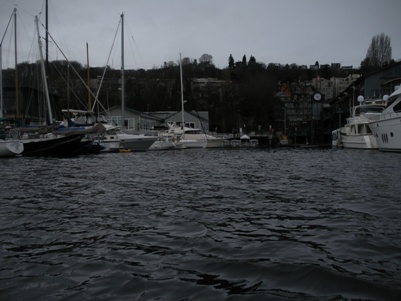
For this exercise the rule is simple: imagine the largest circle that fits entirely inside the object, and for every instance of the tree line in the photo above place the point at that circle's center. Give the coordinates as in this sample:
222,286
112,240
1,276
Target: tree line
244,95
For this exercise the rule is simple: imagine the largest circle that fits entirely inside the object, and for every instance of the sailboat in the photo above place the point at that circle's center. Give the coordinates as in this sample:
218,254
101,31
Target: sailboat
132,142
192,137
44,141
8,147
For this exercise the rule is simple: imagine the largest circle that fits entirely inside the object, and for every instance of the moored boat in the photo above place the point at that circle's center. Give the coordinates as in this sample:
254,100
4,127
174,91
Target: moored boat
53,146
356,133
387,128
194,138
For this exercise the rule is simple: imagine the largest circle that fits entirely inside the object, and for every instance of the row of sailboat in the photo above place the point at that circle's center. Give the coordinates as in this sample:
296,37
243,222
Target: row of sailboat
85,132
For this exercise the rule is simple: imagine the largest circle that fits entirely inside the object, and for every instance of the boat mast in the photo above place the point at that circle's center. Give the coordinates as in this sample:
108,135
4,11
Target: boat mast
1,65
16,64
89,81
1,83
42,65
182,98
47,35
122,72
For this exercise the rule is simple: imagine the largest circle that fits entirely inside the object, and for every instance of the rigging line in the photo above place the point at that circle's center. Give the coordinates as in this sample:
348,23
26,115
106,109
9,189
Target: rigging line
104,71
76,72
137,49
57,21
9,22
33,45
68,84
136,46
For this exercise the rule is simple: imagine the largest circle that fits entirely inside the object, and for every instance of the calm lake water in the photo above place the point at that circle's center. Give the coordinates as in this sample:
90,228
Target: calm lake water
227,224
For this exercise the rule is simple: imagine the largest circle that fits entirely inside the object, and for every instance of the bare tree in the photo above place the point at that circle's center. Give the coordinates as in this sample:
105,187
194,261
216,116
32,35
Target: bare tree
379,51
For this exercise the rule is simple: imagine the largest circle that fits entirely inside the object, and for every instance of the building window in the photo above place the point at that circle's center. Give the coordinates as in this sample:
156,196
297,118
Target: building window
146,124
129,122
187,124
115,120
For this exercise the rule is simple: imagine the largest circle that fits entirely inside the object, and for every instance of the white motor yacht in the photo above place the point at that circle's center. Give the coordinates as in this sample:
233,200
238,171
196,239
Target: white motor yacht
195,138
387,128
356,132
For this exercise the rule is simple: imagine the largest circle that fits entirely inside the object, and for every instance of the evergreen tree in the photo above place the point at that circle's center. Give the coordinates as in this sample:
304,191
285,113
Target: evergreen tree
231,62
244,61
252,60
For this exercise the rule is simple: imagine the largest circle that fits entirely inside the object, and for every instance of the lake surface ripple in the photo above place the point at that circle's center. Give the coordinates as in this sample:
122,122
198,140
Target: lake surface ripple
229,224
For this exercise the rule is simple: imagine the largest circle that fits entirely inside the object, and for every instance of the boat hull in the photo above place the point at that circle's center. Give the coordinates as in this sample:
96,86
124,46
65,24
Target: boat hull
162,145
65,146
9,148
187,143
110,146
359,141
387,131
136,143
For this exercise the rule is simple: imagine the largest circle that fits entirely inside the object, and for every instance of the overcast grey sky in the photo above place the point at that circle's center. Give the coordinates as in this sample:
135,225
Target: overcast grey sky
273,31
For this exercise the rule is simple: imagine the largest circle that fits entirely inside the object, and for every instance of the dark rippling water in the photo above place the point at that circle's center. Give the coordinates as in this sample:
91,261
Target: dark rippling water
284,224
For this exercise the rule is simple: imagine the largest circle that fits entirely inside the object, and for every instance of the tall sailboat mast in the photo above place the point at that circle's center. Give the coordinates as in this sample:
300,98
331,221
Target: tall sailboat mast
16,64
1,81
1,64
182,97
122,72
47,36
42,65
88,78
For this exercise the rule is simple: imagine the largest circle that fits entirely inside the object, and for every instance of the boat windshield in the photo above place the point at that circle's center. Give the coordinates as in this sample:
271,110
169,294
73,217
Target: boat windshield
368,109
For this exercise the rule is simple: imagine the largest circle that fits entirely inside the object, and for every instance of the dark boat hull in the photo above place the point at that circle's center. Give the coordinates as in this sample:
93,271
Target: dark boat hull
65,146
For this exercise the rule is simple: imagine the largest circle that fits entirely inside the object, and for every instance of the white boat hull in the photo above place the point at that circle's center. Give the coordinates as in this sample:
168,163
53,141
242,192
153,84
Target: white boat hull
359,141
136,143
110,146
387,131
162,145
9,148
187,143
